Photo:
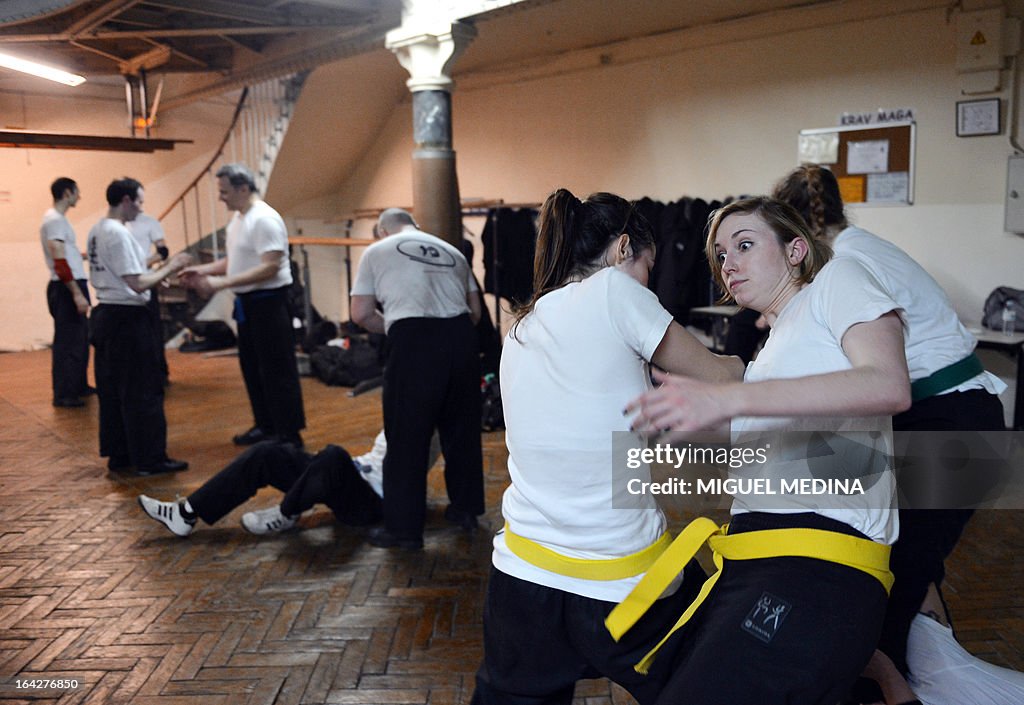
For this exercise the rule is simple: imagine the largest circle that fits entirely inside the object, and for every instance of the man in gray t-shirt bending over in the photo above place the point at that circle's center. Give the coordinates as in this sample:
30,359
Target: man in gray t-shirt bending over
431,304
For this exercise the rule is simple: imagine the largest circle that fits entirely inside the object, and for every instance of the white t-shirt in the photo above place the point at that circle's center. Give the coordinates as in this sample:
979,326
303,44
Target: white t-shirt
113,254
934,336
415,275
260,230
56,227
806,340
371,463
146,230
567,372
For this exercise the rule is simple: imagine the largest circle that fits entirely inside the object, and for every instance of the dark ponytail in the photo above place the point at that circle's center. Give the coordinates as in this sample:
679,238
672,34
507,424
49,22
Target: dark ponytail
814,191
553,260
574,234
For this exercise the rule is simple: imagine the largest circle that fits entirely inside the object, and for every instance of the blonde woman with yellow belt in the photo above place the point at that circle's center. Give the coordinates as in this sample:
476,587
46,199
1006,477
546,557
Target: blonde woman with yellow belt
794,612
580,350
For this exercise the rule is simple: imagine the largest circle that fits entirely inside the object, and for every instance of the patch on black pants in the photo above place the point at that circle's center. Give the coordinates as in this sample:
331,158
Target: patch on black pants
766,617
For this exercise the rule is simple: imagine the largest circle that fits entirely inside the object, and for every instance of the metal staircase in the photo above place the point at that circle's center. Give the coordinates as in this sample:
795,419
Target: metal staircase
254,138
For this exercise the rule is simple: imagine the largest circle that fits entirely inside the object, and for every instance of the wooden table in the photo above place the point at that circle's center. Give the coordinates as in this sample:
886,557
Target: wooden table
1012,345
719,316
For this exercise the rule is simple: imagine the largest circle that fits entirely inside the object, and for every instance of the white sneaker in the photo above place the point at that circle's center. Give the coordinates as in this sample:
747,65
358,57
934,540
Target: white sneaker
942,672
267,521
168,514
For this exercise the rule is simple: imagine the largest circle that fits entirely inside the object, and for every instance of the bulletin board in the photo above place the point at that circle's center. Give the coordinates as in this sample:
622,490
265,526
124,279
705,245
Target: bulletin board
874,164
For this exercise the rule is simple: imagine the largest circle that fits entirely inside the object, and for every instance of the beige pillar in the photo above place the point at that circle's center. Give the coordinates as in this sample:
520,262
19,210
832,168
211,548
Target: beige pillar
427,50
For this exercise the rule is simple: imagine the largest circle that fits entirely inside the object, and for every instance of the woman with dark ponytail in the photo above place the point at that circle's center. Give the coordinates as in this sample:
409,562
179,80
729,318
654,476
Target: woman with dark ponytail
575,542
951,393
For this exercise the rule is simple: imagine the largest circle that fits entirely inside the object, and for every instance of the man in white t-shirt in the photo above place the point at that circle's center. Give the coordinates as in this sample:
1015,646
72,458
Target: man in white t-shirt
67,297
148,232
133,429
258,271
431,304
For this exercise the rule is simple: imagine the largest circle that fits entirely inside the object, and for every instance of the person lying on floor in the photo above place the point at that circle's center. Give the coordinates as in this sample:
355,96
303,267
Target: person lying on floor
351,487
941,671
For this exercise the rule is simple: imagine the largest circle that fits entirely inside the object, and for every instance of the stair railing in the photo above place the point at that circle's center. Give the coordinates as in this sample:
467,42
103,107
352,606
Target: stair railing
254,138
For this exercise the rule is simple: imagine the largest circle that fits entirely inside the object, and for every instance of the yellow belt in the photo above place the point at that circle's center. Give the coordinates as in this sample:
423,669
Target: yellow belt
862,554
586,568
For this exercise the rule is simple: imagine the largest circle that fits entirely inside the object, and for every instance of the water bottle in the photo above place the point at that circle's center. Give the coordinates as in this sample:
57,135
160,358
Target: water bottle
1009,318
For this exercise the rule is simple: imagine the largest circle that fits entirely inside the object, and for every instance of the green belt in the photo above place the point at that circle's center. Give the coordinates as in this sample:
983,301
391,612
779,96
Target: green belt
948,377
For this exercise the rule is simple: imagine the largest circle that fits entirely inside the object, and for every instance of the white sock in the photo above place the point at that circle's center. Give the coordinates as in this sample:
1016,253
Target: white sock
942,672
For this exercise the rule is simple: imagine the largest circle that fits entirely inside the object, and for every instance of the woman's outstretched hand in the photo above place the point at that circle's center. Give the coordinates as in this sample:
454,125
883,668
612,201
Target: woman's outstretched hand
678,406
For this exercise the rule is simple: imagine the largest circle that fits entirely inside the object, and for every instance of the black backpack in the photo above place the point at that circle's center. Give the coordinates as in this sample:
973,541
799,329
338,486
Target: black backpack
996,302
492,417
347,367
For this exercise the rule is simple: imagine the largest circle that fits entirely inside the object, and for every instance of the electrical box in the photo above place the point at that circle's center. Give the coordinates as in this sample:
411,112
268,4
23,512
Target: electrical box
1014,220
979,40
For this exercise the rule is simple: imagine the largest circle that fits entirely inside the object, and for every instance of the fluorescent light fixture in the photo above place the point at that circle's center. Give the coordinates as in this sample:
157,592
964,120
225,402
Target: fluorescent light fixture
47,72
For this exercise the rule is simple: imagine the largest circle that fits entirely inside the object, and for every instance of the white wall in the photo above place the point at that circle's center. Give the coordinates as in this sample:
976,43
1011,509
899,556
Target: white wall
705,112
26,174
717,112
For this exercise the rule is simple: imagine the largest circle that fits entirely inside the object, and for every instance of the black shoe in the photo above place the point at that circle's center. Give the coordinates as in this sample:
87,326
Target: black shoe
87,392
119,463
68,403
292,439
464,520
165,466
251,437
382,538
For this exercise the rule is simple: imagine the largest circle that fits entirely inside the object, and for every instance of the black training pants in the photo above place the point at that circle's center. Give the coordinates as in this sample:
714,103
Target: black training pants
70,351
777,630
129,386
431,381
928,536
538,641
330,477
266,354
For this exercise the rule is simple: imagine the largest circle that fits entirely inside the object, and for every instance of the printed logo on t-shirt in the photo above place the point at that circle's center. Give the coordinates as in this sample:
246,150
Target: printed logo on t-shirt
426,253
766,617
94,259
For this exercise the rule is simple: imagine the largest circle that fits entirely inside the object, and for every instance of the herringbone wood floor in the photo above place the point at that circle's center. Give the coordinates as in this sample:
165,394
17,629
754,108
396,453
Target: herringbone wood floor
91,589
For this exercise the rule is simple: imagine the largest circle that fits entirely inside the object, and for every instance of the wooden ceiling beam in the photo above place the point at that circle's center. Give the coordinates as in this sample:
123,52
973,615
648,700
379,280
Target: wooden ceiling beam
94,50
156,57
54,140
195,61
242,44
224,11
13,38
97,17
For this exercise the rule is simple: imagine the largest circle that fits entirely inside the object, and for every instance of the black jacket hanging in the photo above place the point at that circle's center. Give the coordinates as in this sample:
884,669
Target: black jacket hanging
512,235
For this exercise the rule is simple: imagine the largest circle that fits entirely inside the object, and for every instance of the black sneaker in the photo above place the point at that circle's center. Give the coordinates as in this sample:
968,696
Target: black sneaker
382,538
292,439
164,466
68,403
464,520
119,463
251,437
